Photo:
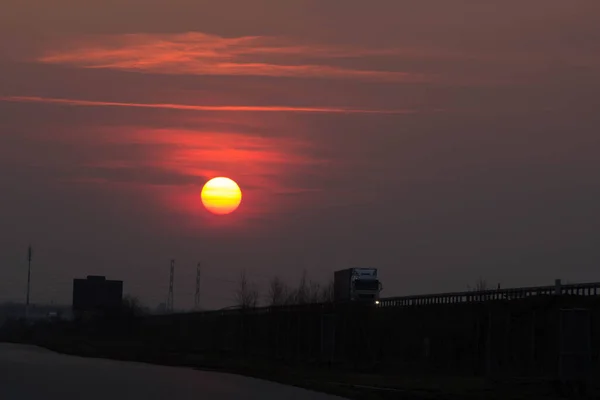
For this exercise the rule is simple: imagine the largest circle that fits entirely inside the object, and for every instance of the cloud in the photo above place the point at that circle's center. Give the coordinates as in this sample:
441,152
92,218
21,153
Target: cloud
132,174
173,164
190,107
196,53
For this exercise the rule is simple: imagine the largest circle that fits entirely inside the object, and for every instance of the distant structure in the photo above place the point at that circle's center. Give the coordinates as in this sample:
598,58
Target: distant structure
29,254
36,312
162,308
96,295
171,296
197,296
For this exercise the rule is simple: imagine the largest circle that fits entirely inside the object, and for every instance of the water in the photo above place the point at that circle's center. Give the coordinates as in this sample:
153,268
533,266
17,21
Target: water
28,373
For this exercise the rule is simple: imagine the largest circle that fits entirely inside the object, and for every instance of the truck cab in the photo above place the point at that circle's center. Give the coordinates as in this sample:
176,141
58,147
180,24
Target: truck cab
357,284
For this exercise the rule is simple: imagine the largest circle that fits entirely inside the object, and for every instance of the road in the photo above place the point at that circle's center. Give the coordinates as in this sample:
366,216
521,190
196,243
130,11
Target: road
28,373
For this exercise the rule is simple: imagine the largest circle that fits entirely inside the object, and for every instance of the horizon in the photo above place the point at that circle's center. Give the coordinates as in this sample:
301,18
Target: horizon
439,143
476,286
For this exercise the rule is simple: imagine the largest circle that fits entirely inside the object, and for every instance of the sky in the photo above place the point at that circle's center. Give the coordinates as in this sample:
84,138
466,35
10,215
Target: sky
440,142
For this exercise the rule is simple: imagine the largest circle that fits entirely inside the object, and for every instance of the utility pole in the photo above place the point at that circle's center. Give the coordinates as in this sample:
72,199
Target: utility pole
197,297
171,297
29,253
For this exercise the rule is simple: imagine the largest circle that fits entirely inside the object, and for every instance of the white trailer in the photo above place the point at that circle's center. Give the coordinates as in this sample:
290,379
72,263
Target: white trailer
357,284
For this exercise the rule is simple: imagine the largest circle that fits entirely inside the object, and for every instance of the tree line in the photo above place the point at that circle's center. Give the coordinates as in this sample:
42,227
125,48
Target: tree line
279,293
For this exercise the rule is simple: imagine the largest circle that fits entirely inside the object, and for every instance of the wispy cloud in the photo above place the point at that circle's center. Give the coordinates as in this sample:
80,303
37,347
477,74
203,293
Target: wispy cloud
197,53
179,161
190,107
190,155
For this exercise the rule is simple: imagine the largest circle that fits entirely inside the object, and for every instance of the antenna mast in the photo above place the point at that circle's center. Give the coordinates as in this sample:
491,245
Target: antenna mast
29,253
197,296
171,297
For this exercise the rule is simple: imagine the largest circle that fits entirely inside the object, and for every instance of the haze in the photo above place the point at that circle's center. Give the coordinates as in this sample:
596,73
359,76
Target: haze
438,141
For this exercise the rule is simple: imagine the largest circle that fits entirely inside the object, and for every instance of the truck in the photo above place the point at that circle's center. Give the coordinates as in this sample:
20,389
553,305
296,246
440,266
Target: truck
356,285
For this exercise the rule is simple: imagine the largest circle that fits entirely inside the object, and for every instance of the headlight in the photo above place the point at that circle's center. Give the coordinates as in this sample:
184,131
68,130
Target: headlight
376,301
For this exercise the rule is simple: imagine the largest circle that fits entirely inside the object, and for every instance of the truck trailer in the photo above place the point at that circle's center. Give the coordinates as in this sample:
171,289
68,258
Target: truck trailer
356,284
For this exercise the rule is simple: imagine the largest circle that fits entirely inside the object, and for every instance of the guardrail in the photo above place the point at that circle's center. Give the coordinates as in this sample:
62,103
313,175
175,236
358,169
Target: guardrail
475,296
580,289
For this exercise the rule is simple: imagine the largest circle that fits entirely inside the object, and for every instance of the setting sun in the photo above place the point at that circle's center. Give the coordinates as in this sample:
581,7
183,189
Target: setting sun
221,195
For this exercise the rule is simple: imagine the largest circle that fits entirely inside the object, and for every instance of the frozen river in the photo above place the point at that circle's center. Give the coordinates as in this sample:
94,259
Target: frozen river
28,373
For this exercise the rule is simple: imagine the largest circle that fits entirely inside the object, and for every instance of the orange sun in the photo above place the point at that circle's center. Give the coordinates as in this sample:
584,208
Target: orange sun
221,196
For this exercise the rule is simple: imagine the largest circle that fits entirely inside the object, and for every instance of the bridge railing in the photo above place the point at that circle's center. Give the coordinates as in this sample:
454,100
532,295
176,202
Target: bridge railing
475,296
580,289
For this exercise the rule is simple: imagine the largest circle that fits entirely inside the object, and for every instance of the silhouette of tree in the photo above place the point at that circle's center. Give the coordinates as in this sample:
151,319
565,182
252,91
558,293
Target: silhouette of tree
307,291
291,297
132,306
314,292
277,293
480,286
302,292
246,295
326,295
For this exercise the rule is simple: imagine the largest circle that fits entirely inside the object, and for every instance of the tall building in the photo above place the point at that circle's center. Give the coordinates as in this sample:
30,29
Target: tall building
96,294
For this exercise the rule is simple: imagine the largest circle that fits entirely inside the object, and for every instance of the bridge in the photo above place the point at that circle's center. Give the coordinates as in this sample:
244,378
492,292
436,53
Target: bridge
473,296
578,289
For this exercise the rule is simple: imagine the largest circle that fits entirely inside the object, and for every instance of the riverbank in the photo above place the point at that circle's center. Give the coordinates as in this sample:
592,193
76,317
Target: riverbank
129,340
351,385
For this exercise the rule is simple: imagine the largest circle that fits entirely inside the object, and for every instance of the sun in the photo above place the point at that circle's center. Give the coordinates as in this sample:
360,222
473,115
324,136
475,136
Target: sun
221,196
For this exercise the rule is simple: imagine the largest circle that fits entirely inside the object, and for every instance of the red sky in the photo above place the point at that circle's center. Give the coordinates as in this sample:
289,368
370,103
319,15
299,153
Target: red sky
438,141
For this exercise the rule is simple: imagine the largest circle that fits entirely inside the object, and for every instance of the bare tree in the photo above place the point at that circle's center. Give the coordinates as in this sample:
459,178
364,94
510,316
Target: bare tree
307,291
480,286
246,295
277,293
302,291
132,306
254,296
326,295
290,297
314,292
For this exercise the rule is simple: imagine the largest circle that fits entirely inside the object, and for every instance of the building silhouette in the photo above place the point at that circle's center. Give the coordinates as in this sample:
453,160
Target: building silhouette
96,295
